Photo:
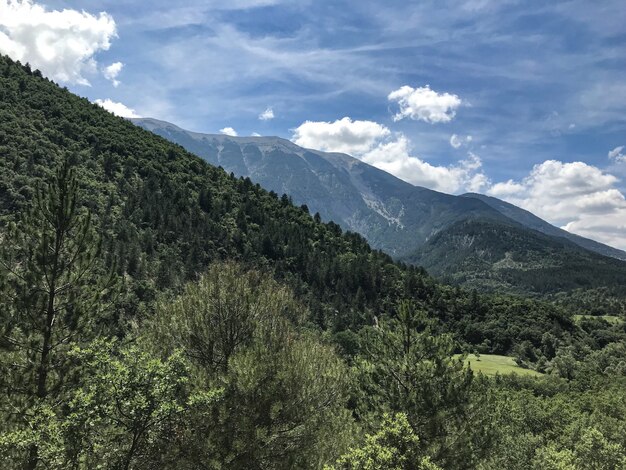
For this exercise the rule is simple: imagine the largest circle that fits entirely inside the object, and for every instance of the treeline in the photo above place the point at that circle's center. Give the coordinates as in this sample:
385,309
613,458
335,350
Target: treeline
156,312
164,215
230,374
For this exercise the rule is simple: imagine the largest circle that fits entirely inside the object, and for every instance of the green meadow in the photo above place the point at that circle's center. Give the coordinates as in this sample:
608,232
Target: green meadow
492,364
612,319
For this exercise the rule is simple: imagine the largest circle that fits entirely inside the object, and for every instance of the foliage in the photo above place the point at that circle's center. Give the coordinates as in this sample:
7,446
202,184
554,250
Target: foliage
408,369
394,447
218,351
284,392
52,292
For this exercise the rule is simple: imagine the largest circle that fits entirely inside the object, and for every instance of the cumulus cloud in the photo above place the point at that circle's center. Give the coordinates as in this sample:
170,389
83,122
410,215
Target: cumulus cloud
60,43
255,134
395,157
374,144
229,131
458,141
267,115
580,197
119,109
112,71
424,104
343,135
611,231
617,154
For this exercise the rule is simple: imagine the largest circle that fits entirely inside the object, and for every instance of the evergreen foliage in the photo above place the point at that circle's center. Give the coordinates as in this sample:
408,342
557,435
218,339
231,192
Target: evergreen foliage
159,313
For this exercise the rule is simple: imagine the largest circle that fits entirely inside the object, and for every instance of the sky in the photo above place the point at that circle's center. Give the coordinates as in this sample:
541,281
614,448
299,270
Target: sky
521,100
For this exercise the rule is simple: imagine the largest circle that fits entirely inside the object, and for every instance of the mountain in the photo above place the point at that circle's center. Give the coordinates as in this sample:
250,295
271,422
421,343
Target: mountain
528,219
472,240
509,257
198,359
164,215
394,216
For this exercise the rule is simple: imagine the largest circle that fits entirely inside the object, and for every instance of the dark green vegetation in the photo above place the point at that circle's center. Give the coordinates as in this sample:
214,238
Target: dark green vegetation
527,219
475,241
156,312
493,255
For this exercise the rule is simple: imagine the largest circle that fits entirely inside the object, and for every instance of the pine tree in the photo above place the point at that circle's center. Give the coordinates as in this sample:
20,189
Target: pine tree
52,286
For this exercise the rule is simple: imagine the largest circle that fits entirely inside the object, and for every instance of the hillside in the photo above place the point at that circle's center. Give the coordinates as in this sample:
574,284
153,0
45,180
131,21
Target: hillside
497,257
165,214
528,219
236,330
510,249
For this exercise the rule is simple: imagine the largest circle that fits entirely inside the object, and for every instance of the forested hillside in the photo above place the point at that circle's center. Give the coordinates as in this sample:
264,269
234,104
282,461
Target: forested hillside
157,312
531,221
508,257
165,215
474,241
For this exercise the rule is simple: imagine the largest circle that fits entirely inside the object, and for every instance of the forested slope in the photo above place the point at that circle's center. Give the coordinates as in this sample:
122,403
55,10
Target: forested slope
165,214
156,312
508,257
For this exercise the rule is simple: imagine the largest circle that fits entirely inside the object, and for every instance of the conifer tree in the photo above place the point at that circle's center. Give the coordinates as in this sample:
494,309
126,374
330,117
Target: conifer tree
52,286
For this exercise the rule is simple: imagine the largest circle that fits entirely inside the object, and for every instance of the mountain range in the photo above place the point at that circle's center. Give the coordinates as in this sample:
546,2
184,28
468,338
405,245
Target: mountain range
469,239
158,312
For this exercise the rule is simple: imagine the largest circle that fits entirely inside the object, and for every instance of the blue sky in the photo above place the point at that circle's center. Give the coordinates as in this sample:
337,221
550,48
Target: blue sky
539,87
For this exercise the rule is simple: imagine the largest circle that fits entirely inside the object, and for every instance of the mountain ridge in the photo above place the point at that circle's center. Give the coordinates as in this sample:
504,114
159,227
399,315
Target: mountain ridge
392,214
528,219
382,206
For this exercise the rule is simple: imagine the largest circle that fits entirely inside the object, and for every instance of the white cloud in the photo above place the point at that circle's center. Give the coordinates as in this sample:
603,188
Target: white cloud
609,230
506,189
267,114
112,71
424,104
343,135
229,131
457,141
119,109
374,144
60,43
395,157
617,155
580,197
256,134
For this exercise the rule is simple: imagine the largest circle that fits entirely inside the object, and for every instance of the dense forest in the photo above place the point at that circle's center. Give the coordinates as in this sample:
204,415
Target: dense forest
473,241
156,312
510,258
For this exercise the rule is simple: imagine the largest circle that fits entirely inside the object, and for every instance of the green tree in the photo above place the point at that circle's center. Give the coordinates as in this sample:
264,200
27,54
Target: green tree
408,369
594,452
220,314
130,411
52,287
284,392
393,447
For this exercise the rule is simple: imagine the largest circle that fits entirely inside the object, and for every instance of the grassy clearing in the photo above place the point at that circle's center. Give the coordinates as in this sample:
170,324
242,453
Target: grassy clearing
492,364
612,319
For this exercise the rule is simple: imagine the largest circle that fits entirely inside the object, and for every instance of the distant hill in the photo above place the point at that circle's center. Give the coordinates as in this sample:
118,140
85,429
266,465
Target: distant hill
530,220
392,215
471,240
509,257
